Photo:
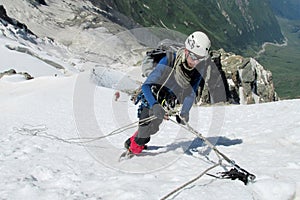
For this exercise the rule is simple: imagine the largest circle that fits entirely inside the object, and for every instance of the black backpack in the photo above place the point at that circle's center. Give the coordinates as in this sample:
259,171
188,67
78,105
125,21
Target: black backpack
165,48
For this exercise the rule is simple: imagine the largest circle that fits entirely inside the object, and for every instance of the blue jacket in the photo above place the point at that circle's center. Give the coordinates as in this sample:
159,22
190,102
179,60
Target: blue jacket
160,74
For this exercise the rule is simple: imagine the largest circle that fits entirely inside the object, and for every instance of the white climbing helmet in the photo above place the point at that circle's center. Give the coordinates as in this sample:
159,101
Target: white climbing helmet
198,43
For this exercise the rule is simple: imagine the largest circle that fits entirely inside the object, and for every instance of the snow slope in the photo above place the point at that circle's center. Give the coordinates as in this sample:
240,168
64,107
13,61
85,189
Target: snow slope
39,160
51,129
46,154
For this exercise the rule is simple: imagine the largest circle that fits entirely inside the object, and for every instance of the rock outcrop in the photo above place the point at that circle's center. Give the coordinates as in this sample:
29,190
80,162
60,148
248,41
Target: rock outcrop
245,80
10,72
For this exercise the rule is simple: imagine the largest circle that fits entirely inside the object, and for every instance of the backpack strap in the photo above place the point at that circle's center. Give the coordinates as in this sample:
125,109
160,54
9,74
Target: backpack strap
171,58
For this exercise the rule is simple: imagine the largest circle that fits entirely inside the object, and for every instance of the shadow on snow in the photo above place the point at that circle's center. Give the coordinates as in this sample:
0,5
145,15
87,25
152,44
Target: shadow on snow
192,146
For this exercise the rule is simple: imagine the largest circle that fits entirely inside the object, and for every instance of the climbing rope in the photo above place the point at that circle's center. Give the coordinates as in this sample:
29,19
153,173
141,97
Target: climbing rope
189,182
235,173
41,130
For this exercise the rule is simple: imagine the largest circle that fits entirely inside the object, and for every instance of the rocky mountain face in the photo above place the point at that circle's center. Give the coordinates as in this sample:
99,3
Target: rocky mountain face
7,20
245,79
232,25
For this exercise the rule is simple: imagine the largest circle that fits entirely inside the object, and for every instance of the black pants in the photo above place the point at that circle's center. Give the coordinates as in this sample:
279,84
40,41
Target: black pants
148,128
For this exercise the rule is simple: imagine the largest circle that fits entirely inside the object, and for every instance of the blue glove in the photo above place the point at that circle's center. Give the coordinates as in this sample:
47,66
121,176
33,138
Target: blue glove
158,111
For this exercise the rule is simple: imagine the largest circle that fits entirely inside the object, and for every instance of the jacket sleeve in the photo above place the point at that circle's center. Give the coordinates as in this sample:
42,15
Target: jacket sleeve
154,78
